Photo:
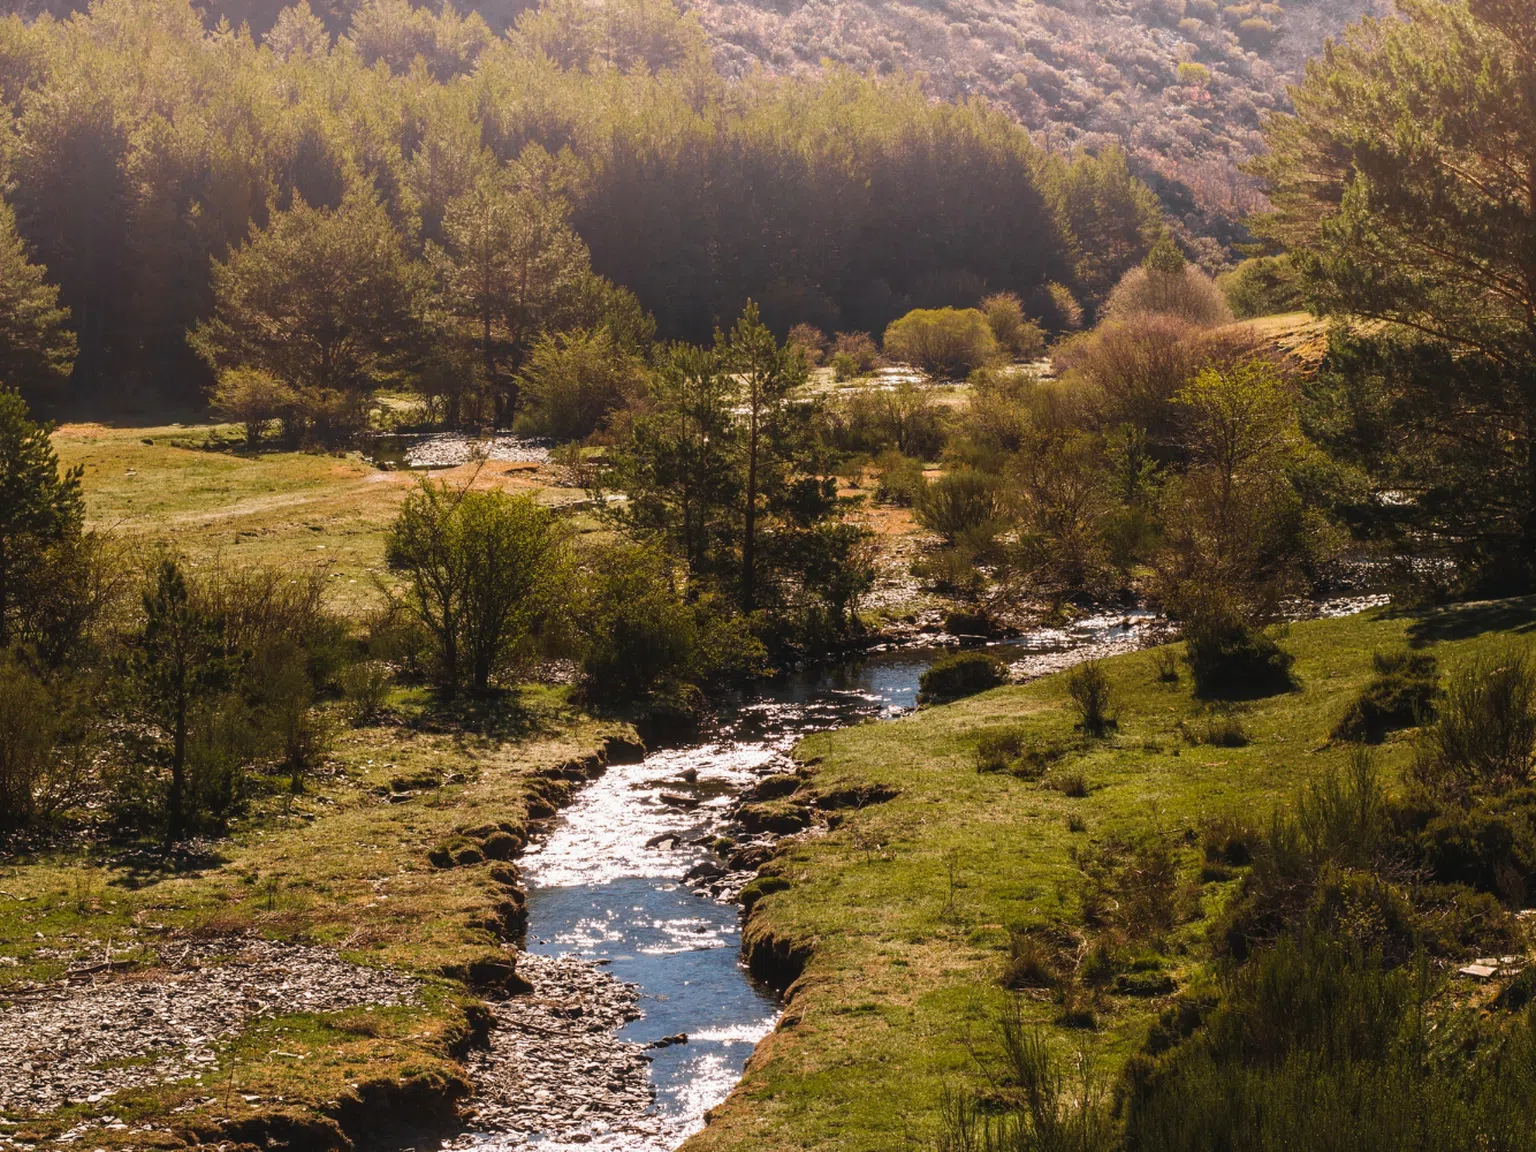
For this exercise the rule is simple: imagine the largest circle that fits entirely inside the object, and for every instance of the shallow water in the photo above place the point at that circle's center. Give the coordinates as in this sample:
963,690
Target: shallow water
595,890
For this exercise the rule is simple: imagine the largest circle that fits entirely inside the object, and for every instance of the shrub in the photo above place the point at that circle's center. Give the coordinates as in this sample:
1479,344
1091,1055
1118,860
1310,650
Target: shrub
365,685
1165,662
1167,285
1484,737
998,749
252,398
853,355
635,631
961,674
483,574
1262,286
1129,370
1072,784
1232,661
959,502
810,341
901,479
1014,332
1401,696
944,342
1229,838
1224,731
1088,685
1031,963
573,381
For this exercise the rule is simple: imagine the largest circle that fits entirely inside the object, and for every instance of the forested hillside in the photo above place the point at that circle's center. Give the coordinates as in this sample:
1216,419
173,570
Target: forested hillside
140,147
1181,85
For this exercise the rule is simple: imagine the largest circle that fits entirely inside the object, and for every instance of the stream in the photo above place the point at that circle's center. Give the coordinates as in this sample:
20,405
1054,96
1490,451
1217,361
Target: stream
625,881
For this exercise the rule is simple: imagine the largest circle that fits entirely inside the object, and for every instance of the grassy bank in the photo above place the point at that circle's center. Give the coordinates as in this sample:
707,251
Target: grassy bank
395,854
191,486
388,857
904,909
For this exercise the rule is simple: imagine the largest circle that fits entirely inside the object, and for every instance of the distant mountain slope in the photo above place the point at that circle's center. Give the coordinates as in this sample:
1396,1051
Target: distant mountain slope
1182,85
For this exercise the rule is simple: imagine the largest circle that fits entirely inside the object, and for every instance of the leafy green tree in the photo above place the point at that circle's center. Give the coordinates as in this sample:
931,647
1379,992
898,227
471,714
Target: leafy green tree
483,571
36,347
179,656
944,342
1403,188
39,507
1113,218
768,374
1237,532
675,462
1015,333
510,266
322,301
574,380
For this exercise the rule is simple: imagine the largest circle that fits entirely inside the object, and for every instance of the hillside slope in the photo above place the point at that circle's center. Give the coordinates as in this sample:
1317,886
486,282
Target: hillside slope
1182,85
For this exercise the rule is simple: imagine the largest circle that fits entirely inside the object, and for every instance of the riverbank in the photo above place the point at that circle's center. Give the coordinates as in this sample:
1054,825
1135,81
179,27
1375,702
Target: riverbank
890,925
317,977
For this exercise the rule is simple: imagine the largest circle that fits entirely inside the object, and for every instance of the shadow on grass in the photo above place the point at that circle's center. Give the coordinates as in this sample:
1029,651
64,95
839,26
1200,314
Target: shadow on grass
503,714
1464,621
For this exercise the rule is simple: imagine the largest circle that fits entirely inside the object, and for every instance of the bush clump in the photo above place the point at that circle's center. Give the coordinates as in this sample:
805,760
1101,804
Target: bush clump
959,502
944,342
1088,685
1232,661
1401,696
1484,737
961,674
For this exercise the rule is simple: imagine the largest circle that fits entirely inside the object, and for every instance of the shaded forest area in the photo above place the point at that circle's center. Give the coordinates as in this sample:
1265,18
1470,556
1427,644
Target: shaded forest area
142,148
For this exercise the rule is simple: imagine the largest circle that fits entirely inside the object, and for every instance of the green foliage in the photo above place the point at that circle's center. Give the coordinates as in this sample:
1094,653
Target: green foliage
483,573
901,479
1114,221
179,657
1230,661
1262,286
853,355
26,743
1237,534
723,457
637,635
255,399
904,418
1484,735
1088,685
41,511
321,301
1428,230
1043,1108
509,266
1016,334
944,342
37,350
959,502
1401,696
574,381
961,674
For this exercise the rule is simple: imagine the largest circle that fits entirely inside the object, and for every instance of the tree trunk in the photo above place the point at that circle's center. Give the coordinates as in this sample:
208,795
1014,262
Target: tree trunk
749,534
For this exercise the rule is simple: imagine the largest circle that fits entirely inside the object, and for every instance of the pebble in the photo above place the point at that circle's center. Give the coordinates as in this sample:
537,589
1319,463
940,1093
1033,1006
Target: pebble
556,1073
73,1042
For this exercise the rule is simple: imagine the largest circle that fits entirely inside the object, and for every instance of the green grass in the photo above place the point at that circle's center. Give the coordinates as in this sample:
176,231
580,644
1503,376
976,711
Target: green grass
904,979
339,865
187,486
